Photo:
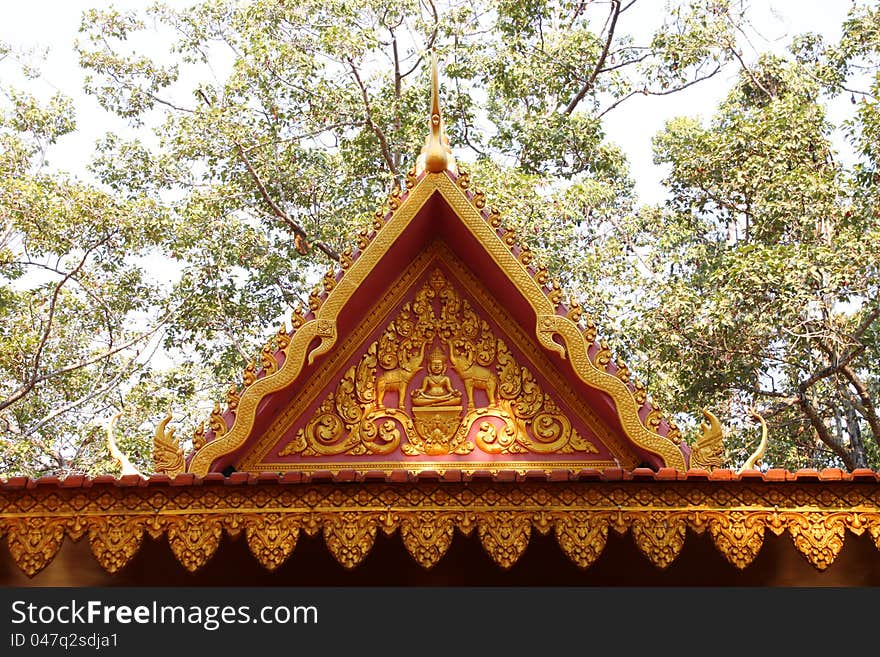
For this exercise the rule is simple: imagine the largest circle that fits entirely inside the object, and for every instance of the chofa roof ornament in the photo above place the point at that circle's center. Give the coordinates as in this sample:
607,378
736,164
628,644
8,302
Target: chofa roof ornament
758,454
436,155
708,451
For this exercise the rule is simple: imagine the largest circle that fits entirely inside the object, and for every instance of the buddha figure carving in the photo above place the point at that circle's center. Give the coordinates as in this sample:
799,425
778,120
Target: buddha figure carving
436,388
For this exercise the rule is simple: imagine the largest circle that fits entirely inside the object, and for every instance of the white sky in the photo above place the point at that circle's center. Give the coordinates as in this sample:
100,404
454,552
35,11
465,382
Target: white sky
53,24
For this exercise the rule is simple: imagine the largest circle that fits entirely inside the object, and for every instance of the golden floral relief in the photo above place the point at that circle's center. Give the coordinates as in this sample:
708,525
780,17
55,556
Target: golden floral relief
437,381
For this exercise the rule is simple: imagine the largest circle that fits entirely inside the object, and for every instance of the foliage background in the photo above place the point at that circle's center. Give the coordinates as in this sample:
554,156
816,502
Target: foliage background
260,135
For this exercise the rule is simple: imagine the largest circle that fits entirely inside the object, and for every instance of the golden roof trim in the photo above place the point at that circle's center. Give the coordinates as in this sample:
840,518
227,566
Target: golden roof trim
657,514
435,171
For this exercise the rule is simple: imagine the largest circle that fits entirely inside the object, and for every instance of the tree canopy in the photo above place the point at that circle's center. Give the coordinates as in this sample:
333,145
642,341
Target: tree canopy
264,133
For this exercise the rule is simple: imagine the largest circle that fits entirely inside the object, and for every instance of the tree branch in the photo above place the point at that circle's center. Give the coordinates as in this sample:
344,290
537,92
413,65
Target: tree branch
869,410
95,392
29,385
47,330
573,103
748,72
627,62
834,368
866,323
383,142
431,39
665,92
298,232
821,429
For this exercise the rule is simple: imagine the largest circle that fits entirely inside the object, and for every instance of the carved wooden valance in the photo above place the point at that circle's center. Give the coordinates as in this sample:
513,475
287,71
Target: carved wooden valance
657,510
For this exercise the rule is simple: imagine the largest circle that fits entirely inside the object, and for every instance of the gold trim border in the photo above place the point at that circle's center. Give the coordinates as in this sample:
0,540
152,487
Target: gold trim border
441,467
657,515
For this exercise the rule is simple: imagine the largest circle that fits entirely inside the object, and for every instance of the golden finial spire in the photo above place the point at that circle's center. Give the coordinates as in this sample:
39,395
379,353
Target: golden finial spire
436,154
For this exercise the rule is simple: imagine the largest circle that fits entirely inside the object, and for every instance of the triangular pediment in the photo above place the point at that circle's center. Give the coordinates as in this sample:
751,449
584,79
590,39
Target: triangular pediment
523,384
445,379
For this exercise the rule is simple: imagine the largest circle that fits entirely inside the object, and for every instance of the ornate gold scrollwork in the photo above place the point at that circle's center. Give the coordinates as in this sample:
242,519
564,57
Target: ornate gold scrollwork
297,317
640,394
198,440
267,360
316,300
653,419
193,539
427,536
232,397
326,330
504,535
590,331
345,259
674,433
542,275
495,219
735,514
479,199
115,540
622,372
738,536
271,537
217,422
545,331
411,177
364,238
708,452
660,536
350,536
818,536
249,375
602,357
394,198
756,456
581,536
167,452
34,542
437,381
282,339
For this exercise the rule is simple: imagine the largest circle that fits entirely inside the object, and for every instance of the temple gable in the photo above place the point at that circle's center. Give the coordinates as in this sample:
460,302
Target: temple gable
438,344
446,380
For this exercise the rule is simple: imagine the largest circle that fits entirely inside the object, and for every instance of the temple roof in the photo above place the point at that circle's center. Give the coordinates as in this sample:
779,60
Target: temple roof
442,380
522,380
